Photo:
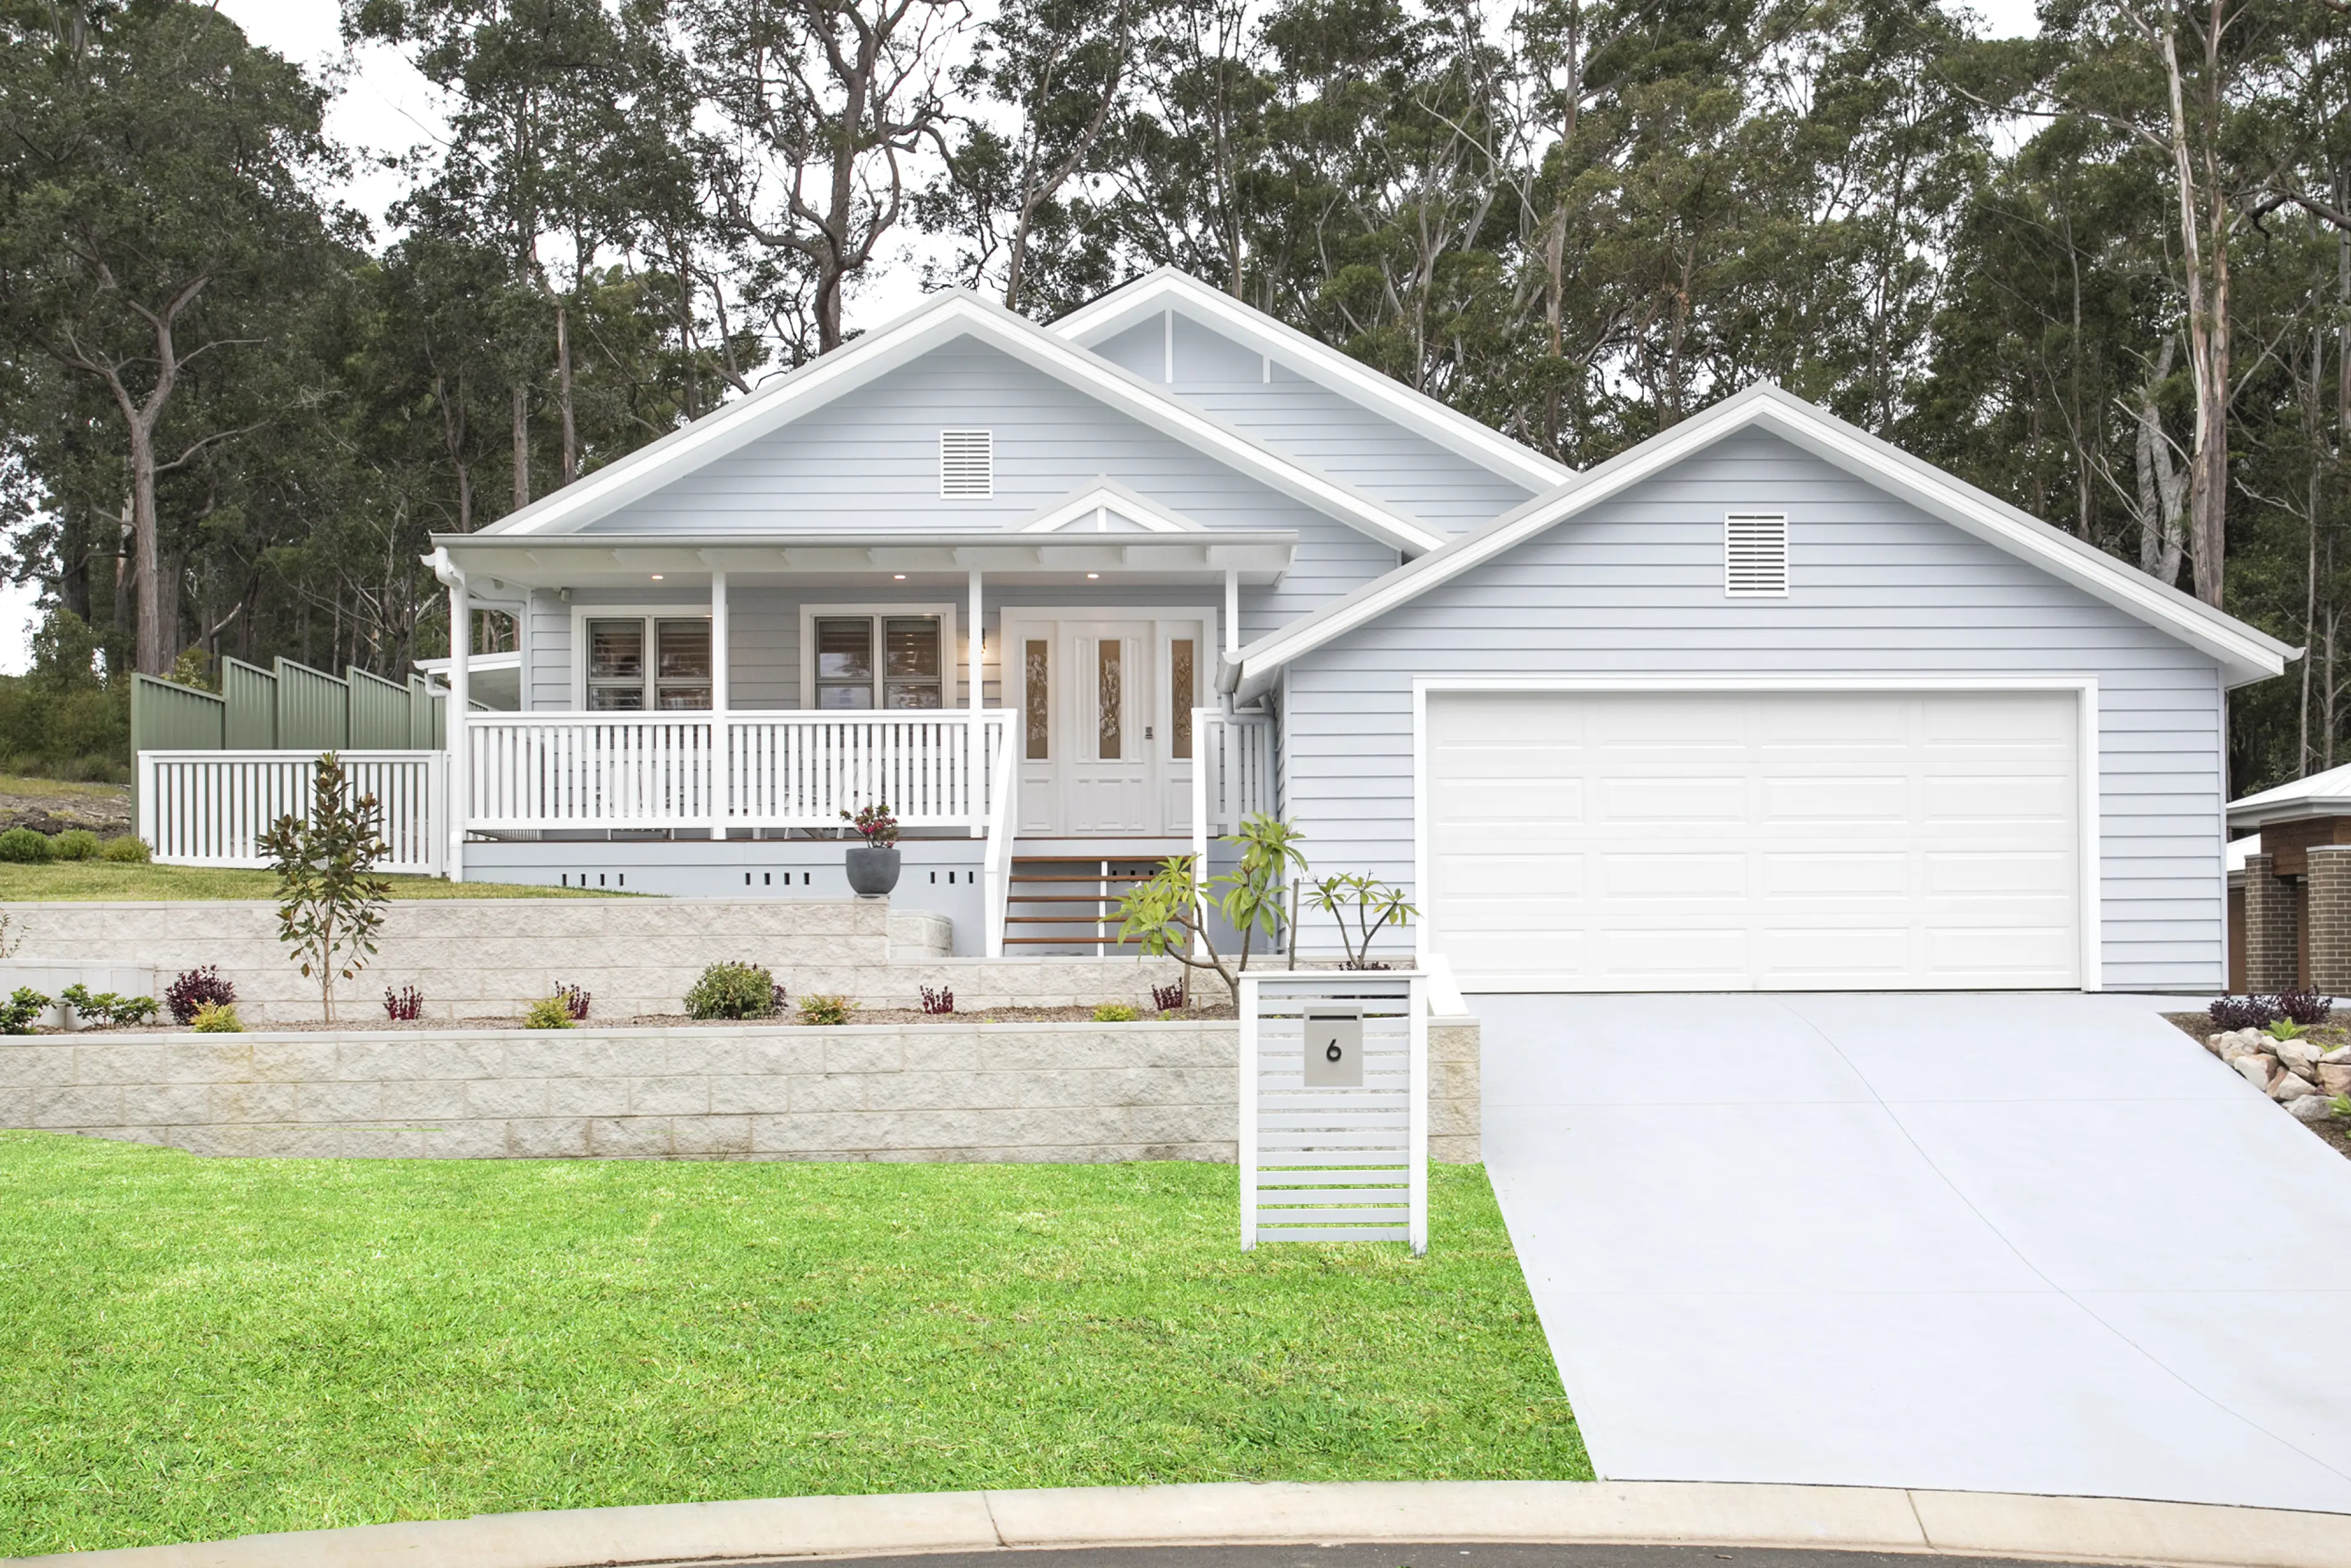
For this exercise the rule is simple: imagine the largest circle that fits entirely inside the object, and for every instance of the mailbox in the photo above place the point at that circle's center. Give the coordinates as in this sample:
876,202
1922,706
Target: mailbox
1335,1047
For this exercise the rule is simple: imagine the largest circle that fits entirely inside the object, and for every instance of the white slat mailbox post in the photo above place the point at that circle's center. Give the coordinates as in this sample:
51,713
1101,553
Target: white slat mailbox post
1334,1107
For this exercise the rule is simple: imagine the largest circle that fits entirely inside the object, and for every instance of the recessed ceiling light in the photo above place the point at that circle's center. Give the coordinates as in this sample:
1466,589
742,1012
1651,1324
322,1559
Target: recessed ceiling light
899,575
657,576
1091,575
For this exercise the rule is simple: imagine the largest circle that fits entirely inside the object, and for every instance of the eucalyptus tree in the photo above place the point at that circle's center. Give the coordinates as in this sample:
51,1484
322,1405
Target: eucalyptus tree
156,218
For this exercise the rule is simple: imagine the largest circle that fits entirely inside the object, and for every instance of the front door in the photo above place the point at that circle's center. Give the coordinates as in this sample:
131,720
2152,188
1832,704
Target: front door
1106,732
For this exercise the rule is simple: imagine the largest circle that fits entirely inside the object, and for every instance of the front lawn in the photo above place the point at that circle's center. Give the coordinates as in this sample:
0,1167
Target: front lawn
87,881
193,1349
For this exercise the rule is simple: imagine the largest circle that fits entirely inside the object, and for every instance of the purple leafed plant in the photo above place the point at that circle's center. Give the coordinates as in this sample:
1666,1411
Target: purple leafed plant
2232,1013
197,989
939,1001
405,1005
574,1000
1167,998
2306,1007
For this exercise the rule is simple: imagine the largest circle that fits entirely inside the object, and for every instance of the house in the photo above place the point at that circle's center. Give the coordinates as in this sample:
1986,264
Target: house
1762,702
2290,886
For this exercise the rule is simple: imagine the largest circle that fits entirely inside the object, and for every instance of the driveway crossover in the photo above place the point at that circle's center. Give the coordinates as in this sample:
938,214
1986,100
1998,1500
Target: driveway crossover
2008,1242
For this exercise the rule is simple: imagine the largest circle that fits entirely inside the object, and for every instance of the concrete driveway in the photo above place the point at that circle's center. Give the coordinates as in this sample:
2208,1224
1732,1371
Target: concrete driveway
2008,1242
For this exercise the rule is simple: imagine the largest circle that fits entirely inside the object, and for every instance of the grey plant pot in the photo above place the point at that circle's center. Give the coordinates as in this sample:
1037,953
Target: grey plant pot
872,871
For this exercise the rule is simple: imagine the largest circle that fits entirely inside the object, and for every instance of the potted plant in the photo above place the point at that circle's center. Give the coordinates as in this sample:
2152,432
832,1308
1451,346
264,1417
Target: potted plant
873,862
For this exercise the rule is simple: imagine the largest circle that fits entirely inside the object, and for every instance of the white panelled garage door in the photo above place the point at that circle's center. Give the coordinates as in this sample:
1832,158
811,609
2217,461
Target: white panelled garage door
1755,840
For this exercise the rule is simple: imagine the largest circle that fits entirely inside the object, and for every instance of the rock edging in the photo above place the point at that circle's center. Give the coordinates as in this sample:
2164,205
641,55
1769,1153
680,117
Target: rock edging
2297,1074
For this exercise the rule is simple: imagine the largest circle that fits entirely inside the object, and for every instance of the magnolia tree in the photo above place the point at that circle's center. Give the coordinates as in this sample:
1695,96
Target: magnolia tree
330,904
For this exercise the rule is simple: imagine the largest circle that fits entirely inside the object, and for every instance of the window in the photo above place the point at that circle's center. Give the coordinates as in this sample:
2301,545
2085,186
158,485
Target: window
1038,729
623,679
967,463
879,661
1755,556
1181,695
1111,693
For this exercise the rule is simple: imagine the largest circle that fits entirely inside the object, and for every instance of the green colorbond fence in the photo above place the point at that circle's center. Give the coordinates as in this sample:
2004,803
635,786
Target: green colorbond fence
289,708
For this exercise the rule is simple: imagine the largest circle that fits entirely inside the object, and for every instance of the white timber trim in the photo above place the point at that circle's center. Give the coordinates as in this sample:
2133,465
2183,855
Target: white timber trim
2084,687
1276,343
957,313
2249,653
1074,514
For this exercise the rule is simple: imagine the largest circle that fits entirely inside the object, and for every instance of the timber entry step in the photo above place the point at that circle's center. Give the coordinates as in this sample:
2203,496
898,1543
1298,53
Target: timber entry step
1068,903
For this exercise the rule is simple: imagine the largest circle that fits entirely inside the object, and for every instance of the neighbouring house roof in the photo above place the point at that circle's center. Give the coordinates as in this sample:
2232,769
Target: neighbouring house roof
2326,794
942,319
2245,652
637,560
1169,289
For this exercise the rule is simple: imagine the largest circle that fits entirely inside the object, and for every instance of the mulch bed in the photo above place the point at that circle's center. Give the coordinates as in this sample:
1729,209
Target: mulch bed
1223,1011
104,811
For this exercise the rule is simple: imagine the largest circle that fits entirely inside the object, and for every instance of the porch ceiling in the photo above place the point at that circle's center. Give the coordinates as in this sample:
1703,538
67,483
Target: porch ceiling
632,560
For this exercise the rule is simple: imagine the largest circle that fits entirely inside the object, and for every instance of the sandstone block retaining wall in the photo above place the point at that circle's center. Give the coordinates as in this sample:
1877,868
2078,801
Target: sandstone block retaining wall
929,1092
493,958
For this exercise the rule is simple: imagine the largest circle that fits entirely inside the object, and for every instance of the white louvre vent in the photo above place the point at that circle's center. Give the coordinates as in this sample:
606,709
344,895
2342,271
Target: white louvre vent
967,463
1755,556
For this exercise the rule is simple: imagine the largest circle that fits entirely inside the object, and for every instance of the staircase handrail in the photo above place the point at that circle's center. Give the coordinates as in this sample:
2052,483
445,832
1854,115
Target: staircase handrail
996,880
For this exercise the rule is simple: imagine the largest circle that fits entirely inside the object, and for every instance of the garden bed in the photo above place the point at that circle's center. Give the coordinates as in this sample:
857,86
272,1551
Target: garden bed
194,1349
356,1021
2333,1127
92,882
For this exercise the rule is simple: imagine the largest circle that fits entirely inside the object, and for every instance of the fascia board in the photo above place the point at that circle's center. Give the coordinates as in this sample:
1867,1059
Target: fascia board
1105,495
2245,652
1317,361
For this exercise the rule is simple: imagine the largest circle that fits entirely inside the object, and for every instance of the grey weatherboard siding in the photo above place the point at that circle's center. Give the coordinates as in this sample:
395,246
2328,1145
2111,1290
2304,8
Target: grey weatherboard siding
1316,426
1634,587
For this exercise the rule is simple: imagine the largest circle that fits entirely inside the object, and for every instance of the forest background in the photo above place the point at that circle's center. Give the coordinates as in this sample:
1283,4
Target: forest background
2104,271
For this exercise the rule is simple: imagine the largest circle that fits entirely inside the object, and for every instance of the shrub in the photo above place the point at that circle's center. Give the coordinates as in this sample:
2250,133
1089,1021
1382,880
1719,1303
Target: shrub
22,1011
75,845
216,1018
574,1000
128,850
2232,1013
2307,1008
877,825
824,1009
734,991
195,989
405,1005
548,1012
939,1001
1167,998
107,1007
24,846
1115,1012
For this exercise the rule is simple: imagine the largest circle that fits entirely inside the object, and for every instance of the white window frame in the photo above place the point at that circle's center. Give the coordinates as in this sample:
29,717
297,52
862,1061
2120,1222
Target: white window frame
583,614
949,648
1730,585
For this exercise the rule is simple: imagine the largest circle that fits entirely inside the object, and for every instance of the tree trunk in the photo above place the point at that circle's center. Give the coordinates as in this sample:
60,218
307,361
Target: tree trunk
570,469
154,655
2204,259
520,401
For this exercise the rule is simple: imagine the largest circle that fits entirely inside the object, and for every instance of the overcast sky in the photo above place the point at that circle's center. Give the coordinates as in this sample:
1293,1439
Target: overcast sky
386,109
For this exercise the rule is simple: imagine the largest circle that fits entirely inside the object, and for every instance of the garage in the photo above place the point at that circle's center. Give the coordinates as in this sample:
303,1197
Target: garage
1725,840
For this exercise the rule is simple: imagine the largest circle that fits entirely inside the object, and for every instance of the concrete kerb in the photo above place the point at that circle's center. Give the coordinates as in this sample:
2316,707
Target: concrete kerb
1677,1513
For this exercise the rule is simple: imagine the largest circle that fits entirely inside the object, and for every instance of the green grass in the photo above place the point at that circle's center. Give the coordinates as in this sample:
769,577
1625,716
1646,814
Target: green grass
26,784
193,1349
84,880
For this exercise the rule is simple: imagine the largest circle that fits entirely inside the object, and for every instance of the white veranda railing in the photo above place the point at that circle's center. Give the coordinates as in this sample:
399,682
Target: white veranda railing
211,808
768,769
1233,773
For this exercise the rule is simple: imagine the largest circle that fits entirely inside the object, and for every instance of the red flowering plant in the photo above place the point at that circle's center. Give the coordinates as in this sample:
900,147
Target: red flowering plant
875,824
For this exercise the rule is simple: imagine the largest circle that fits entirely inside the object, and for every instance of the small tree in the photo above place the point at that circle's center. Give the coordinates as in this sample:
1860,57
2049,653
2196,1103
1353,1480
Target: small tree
328,906
1168,915
1374,904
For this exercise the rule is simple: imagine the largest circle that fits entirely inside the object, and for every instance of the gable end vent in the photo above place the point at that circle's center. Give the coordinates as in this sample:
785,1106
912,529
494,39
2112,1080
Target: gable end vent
967,463
1755,556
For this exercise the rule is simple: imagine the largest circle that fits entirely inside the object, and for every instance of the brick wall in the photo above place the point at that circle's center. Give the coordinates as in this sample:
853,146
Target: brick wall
2272,955
933,1091
2327,931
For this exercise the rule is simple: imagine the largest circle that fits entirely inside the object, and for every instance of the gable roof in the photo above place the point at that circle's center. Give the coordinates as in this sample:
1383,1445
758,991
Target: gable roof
1084,509
943,318
1167,289
2245,652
